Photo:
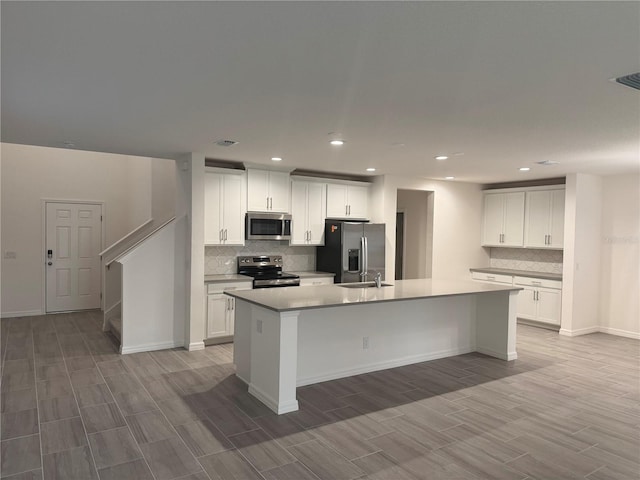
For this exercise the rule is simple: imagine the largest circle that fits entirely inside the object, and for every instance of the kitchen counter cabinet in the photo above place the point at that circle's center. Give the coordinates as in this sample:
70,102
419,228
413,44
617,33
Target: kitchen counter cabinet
220,308
520,273
289,337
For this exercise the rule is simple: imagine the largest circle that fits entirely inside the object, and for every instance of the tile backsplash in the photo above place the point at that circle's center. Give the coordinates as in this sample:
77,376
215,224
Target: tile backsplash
223,259
547,261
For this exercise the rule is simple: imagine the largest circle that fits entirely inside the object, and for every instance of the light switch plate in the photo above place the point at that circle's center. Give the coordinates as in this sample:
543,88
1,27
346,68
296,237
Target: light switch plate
8,255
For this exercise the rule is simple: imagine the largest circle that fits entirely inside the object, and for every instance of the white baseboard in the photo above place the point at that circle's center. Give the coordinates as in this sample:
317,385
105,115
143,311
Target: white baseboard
195,346
620,333
374,367
25,313
149,347
579,331
271,403
502,356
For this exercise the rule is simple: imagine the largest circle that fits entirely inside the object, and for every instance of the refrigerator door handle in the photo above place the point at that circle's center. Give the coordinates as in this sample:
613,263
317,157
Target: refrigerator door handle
365,257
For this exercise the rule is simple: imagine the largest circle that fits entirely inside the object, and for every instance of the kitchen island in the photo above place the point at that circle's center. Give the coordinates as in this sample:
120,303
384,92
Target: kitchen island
294,336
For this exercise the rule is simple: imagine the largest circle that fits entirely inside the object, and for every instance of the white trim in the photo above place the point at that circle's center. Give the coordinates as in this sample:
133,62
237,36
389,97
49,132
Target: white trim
43,242
492,353
620,333
194,346
25,313
127,236
373,367
148,347
578,332
557,186
271,403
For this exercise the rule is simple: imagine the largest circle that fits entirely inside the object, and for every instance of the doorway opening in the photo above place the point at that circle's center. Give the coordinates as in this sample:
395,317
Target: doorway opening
73,241
414,234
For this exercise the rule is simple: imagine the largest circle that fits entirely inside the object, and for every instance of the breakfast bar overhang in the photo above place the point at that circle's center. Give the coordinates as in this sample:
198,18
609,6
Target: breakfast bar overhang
294,336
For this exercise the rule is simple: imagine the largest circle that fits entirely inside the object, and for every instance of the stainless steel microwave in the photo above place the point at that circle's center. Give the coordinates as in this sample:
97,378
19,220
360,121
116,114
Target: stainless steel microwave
268,226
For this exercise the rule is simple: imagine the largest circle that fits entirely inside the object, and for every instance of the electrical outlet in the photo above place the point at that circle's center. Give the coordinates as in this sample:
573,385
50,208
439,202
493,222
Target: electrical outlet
365,343
259,326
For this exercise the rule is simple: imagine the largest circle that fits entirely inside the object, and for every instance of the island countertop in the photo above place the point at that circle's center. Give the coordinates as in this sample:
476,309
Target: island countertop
322,296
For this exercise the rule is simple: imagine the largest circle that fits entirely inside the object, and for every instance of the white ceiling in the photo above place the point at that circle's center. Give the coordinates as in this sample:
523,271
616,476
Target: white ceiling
508,84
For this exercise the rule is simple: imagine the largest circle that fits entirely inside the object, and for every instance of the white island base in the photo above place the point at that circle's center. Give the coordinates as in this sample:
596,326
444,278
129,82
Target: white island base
277,350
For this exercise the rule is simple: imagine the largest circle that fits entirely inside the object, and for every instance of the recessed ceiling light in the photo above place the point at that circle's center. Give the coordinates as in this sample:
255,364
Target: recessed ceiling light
449,178
524,169
276,159
337,142
371,169
441,157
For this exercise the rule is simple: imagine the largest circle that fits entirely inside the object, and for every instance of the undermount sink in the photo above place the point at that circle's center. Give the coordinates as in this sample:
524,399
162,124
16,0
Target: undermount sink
363,285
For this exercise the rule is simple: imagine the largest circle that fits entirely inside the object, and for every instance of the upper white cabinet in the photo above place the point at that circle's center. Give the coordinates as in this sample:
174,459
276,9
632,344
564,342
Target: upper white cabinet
544,225
503,223
223,208
267,191
308,212
347,201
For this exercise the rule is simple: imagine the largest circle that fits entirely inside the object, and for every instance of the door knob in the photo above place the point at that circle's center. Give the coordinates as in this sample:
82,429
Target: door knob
49,263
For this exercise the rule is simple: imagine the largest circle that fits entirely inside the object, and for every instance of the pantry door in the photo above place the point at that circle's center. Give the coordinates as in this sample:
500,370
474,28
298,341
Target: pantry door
72,256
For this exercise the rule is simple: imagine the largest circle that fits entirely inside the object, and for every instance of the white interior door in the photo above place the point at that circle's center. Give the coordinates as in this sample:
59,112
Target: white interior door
72,256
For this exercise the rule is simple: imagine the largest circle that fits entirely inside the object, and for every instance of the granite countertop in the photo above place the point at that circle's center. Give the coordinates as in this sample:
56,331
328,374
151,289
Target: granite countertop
227,277
295,298
312,274
520,273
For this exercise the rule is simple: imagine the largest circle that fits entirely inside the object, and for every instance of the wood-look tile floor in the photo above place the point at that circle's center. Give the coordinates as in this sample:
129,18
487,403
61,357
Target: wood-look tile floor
72,408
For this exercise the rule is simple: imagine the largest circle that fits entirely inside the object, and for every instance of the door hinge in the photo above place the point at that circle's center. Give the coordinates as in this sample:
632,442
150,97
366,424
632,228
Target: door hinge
101,296
100,217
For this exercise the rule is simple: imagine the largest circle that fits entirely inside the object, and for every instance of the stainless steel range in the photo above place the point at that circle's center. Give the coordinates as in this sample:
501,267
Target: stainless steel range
267,271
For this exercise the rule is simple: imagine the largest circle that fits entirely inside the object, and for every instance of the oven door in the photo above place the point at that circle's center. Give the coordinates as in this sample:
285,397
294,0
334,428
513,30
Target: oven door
268,226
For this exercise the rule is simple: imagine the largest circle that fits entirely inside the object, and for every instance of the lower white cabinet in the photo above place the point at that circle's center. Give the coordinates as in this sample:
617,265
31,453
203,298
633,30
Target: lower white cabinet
541,299
492,278
328,280
221,308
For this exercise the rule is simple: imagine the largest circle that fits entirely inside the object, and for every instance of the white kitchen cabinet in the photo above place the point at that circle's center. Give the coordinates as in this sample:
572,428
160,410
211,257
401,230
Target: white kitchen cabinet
267,191
221,308
347,201
316,280
223,208
492,278
544,219
308,212
503,219
541,299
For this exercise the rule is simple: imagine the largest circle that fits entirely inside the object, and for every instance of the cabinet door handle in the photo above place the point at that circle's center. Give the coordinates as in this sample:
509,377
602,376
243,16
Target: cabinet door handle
549,239
346,209
270,203
349,209
309,235
225,234
220,235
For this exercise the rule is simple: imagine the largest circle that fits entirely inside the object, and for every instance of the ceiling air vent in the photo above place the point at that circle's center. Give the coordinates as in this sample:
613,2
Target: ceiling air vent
226,143
632,80
548,162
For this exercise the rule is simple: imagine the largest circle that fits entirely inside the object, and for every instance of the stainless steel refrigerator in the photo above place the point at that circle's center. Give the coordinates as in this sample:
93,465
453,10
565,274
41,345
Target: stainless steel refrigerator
354,251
